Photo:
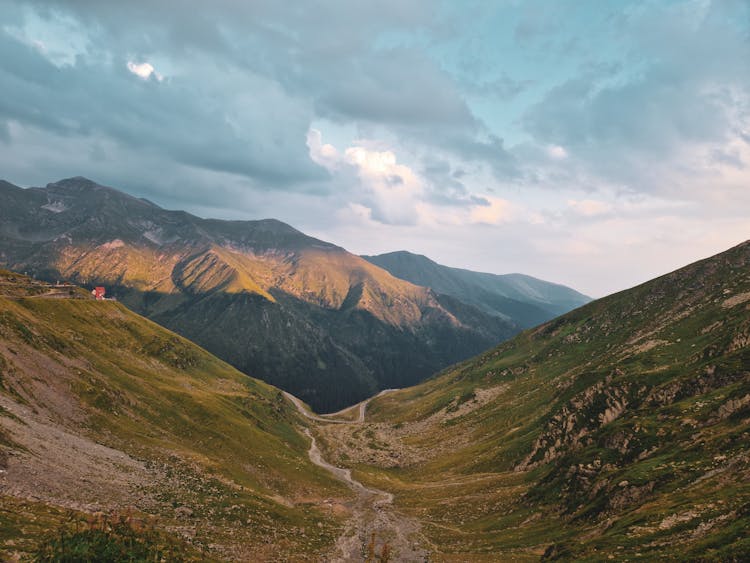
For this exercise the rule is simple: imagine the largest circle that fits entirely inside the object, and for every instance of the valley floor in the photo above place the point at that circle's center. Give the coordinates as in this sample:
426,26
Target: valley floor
413,497
405,525
375,529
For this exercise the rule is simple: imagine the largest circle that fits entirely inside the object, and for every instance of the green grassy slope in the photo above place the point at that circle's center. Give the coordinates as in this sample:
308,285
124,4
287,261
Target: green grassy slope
101,409
620,429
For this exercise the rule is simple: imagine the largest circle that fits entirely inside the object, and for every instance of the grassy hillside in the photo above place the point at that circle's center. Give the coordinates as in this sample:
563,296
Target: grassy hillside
101,409
619,430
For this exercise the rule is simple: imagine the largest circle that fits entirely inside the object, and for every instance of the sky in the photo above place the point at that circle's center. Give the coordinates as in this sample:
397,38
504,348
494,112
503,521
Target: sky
594,144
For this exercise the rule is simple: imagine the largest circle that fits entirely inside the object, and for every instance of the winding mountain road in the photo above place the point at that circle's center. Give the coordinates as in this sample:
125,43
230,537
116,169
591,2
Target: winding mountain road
329,417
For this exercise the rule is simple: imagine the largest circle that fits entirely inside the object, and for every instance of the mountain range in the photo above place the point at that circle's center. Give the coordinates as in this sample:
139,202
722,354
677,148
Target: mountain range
298,312
525,300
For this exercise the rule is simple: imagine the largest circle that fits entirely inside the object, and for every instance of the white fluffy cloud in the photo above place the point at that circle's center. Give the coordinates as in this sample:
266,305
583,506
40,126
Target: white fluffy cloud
393,190
382,189
144,70
390,191
557,152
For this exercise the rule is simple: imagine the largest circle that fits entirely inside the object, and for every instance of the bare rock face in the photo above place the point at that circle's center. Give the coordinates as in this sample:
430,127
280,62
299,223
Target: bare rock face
732,406
570,428
626,495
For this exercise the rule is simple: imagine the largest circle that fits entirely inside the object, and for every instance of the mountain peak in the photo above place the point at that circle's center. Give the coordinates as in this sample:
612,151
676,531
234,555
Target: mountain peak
402,254
4,184
76,182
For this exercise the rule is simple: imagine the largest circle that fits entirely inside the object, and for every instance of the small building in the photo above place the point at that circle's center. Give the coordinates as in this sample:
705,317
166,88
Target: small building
98,293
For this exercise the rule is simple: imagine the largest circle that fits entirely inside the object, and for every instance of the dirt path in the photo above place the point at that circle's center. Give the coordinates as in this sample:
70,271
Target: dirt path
307,414
362,408
363,404
375,527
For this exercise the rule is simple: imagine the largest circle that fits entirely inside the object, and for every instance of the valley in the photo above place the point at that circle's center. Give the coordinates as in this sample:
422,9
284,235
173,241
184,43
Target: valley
374,529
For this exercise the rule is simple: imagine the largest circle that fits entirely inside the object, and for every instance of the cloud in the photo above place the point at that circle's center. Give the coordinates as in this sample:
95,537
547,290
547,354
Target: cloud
579,131
225,70
227,64
502,87
489,151
393,190
378,187
144,70
325,155
395,86
198,123
557,152
663,118
390,191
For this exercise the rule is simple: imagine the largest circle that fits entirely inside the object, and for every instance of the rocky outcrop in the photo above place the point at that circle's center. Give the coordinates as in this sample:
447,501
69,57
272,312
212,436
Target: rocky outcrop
571,426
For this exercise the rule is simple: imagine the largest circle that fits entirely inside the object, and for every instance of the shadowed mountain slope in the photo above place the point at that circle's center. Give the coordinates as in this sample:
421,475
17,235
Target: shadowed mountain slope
525,300
101,409
295,311
619,430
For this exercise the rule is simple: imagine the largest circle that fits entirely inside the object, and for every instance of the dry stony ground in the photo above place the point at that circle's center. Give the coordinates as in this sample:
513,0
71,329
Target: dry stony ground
54,461
61,467
391,445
